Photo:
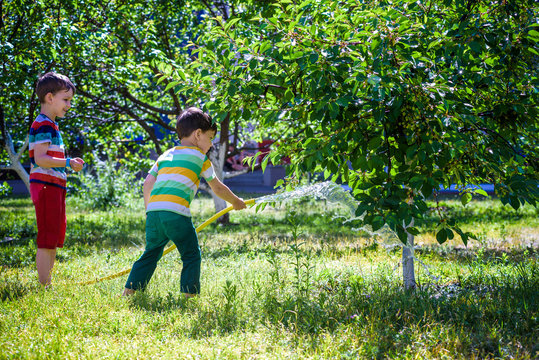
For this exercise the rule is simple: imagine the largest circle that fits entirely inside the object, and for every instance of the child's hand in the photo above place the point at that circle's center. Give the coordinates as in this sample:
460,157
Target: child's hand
239,204
76,164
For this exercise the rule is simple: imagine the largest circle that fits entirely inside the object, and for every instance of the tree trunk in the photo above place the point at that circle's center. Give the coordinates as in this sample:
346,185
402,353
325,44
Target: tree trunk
217,158
21,171
14,156
408,272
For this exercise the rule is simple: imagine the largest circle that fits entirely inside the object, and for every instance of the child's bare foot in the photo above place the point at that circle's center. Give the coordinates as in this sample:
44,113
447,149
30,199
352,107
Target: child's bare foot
187,295
128,292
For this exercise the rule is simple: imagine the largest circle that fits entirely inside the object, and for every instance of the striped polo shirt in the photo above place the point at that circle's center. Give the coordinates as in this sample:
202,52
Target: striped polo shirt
178,172
45,130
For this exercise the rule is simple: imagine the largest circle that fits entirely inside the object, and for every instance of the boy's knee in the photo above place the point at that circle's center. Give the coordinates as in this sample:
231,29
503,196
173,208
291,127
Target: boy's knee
192,260
192,256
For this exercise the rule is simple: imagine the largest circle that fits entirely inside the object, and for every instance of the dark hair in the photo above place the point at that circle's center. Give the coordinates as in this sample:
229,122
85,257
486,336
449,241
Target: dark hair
52,82
192,119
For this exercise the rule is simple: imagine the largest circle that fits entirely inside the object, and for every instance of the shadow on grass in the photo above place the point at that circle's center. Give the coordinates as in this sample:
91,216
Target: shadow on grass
83,235
13,287
472,214
161,304
478,319
482,319
17,202
484,255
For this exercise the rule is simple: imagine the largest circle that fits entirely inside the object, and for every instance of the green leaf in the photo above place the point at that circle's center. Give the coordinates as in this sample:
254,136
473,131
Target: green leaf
374,79
481,192
426,189
231,23
375,43
377,223
475,46
466,198
362,208
402,235
534,35
374,143
514,202
171,85
441,236
344,101
264,163
181,73
413,230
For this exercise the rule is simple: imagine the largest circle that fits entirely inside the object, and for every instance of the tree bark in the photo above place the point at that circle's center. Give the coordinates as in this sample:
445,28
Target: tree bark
218,160
15,159
408,272
14,156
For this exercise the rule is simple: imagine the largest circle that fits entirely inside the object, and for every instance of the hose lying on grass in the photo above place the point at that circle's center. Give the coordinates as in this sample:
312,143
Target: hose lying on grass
172,247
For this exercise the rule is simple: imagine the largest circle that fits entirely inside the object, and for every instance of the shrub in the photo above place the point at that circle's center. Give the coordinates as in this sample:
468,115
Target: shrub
106,185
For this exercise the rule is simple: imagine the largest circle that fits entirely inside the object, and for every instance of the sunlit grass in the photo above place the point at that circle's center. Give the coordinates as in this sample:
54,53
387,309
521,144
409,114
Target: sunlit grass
272,289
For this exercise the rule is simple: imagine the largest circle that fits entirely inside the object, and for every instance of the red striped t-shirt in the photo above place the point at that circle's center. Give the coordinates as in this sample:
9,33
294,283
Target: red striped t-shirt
44,130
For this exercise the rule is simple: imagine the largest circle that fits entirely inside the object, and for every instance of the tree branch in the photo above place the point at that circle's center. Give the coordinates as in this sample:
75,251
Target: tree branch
16,28
496,135
171,92
131,97
129,112
209,8
2,124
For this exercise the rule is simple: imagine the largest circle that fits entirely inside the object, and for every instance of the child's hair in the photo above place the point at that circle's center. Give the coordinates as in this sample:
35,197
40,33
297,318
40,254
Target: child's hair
192,119
52,82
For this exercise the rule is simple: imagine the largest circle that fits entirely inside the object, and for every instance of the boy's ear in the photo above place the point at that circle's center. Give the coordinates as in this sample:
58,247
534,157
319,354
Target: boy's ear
48,97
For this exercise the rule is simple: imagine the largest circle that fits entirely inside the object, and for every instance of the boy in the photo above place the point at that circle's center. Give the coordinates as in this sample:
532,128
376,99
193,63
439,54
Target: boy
48,171
168,191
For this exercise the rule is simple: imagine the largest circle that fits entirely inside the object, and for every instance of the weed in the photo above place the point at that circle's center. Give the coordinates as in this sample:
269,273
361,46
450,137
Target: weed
106,186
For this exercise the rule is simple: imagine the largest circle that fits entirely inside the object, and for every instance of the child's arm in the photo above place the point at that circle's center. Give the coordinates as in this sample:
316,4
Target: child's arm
147,189
226,194
46,161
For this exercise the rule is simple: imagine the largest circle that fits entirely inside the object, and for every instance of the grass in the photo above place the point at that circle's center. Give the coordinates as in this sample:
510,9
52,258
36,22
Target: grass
286,283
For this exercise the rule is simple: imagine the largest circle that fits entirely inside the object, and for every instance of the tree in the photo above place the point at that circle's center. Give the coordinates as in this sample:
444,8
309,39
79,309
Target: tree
130,47
27,48
396,98
114,52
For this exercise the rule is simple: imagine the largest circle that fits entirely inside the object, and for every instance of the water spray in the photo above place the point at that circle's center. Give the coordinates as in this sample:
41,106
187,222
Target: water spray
328,191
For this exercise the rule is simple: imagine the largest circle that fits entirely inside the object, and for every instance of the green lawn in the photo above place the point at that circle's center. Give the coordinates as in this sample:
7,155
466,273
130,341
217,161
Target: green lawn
290,283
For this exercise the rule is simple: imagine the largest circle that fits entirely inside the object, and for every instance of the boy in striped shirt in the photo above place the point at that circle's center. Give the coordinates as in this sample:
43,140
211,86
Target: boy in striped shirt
48,171
168,191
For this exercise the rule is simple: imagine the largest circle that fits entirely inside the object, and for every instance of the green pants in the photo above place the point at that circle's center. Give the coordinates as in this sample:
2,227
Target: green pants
162,226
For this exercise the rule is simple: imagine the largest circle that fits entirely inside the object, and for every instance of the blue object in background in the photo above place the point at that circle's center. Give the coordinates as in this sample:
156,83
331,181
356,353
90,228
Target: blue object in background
489,188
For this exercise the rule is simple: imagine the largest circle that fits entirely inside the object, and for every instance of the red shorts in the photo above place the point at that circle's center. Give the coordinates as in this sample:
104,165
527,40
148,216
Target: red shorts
50,204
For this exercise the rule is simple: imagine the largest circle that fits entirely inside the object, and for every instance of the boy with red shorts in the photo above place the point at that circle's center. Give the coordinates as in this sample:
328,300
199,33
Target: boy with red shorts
48,172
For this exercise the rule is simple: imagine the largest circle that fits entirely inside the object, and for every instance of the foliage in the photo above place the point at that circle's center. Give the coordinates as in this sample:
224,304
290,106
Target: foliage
115,53
5,189
107,185
396,98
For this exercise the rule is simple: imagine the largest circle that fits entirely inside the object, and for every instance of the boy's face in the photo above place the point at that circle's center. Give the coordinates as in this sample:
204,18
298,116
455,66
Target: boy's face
60,102
204,140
